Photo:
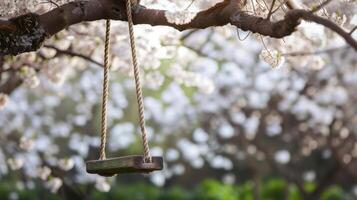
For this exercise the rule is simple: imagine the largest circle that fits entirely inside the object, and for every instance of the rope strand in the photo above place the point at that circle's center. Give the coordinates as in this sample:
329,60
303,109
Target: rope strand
139,95
103,138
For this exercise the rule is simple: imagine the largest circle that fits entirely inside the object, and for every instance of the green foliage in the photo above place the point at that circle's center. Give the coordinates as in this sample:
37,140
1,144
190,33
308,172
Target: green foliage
310,186
273,189
294,193
174,193
245,192
135,192
213,190
335,193
6,188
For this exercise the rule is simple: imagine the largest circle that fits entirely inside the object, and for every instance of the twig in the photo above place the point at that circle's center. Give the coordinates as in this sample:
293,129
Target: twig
271,9
353,30
333,26
71,53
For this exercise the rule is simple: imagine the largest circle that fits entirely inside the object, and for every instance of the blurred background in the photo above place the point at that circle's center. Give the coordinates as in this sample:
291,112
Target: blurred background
257,118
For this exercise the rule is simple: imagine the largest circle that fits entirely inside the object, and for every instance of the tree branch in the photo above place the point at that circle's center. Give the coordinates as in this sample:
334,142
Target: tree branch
73,54
27,33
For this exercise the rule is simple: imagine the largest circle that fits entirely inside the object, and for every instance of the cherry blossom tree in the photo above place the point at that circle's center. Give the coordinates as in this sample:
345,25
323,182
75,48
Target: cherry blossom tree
213,101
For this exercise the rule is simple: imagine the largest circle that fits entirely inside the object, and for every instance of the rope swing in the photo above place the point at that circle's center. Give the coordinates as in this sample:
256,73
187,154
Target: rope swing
127,164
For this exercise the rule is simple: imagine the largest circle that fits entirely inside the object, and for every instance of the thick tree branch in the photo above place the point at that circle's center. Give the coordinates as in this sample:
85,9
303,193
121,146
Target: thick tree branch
27,33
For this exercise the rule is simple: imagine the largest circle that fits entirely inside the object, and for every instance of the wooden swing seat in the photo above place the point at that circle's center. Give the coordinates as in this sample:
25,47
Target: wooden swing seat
121,165
127,164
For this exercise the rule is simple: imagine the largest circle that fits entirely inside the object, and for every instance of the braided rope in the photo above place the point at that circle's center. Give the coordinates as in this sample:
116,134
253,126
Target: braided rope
103,137
139,94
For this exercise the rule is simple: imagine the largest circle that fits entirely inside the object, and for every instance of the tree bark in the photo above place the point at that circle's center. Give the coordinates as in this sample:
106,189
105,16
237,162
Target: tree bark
27,33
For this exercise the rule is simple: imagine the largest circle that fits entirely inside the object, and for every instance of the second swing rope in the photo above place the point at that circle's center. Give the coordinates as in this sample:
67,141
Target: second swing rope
139,94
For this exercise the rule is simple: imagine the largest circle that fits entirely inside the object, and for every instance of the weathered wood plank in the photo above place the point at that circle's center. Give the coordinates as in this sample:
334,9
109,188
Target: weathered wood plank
121,165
